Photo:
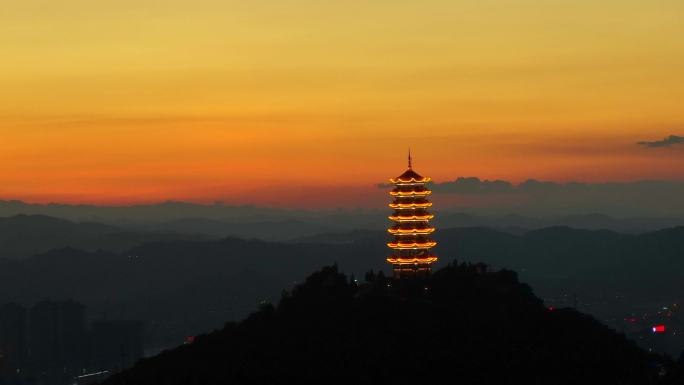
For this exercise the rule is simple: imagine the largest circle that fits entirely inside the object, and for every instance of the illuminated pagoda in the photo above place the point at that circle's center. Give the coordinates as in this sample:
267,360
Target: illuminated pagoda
411,242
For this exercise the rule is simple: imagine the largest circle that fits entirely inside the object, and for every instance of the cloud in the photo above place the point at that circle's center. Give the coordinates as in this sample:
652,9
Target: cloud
645,198
466,185
472,185
667,142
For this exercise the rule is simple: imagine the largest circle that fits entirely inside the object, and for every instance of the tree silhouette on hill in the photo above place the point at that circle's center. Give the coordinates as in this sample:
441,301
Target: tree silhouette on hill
463,324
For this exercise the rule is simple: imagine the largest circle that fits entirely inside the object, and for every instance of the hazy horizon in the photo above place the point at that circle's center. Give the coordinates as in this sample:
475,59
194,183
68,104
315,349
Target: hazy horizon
641,198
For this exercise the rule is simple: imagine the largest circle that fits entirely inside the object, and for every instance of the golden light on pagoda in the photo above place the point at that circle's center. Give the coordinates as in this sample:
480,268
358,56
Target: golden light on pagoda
412,256
410,218
411,231
410,193
411,261
409,245
409,205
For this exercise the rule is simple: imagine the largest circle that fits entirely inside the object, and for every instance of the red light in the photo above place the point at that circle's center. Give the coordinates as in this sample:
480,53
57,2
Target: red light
659,329
189,339
551,308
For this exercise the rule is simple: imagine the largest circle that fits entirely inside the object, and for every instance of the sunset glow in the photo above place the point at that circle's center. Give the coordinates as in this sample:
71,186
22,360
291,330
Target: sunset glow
126,101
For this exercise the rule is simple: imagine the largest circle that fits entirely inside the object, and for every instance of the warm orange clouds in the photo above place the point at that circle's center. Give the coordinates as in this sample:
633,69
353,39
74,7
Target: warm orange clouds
127,101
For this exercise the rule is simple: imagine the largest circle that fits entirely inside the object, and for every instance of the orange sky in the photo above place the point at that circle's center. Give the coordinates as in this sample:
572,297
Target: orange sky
139,101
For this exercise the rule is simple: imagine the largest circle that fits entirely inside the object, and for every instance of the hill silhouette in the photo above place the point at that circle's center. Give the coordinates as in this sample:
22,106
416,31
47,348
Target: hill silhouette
26,235
263,223
275,230
183,287
643,266
463,324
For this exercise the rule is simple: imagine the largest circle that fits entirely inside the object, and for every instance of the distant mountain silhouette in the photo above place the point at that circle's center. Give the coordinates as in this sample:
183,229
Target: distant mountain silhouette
26,235
278,224
463,325
559,252
183,287
276,230
341,237
177,287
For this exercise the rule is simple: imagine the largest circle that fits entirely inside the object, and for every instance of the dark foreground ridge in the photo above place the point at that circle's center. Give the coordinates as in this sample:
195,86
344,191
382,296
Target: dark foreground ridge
463,324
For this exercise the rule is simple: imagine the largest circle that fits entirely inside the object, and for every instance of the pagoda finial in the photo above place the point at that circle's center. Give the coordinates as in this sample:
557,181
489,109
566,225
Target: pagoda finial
409,158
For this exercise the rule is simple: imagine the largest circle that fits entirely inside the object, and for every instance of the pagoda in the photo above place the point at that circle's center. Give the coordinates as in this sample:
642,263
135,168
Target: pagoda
412,256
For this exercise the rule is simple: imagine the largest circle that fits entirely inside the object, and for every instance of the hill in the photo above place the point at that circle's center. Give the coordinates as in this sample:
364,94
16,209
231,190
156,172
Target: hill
25,235
463,324
277,230
182,287
278,224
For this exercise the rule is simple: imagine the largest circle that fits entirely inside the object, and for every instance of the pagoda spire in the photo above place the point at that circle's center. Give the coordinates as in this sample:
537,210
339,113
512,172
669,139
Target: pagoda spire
409,159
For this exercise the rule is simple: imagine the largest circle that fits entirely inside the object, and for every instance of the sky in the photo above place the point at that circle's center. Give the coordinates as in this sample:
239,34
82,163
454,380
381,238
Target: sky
271,102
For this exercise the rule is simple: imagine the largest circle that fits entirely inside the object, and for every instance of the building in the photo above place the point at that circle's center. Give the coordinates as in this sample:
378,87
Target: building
13,344
50,344
57,333
411,244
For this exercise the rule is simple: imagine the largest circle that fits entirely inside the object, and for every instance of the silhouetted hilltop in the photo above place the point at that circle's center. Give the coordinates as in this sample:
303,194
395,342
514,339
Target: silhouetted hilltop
463,325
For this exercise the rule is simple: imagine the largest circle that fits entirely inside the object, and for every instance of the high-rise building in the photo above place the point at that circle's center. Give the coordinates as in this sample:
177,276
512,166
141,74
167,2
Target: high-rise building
13,345
412,256
57,333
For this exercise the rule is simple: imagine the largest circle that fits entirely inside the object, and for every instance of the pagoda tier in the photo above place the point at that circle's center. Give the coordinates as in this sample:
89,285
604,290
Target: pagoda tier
411,232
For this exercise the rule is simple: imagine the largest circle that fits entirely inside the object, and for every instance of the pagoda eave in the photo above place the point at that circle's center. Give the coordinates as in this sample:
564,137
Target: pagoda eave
409,181
413,246
411,261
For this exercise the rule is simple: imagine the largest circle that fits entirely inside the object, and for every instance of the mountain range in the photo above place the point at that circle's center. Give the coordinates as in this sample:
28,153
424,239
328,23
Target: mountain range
183,286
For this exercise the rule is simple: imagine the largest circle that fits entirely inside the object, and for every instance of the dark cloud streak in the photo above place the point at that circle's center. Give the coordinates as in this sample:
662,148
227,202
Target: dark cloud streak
670,141
473,185
647,198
